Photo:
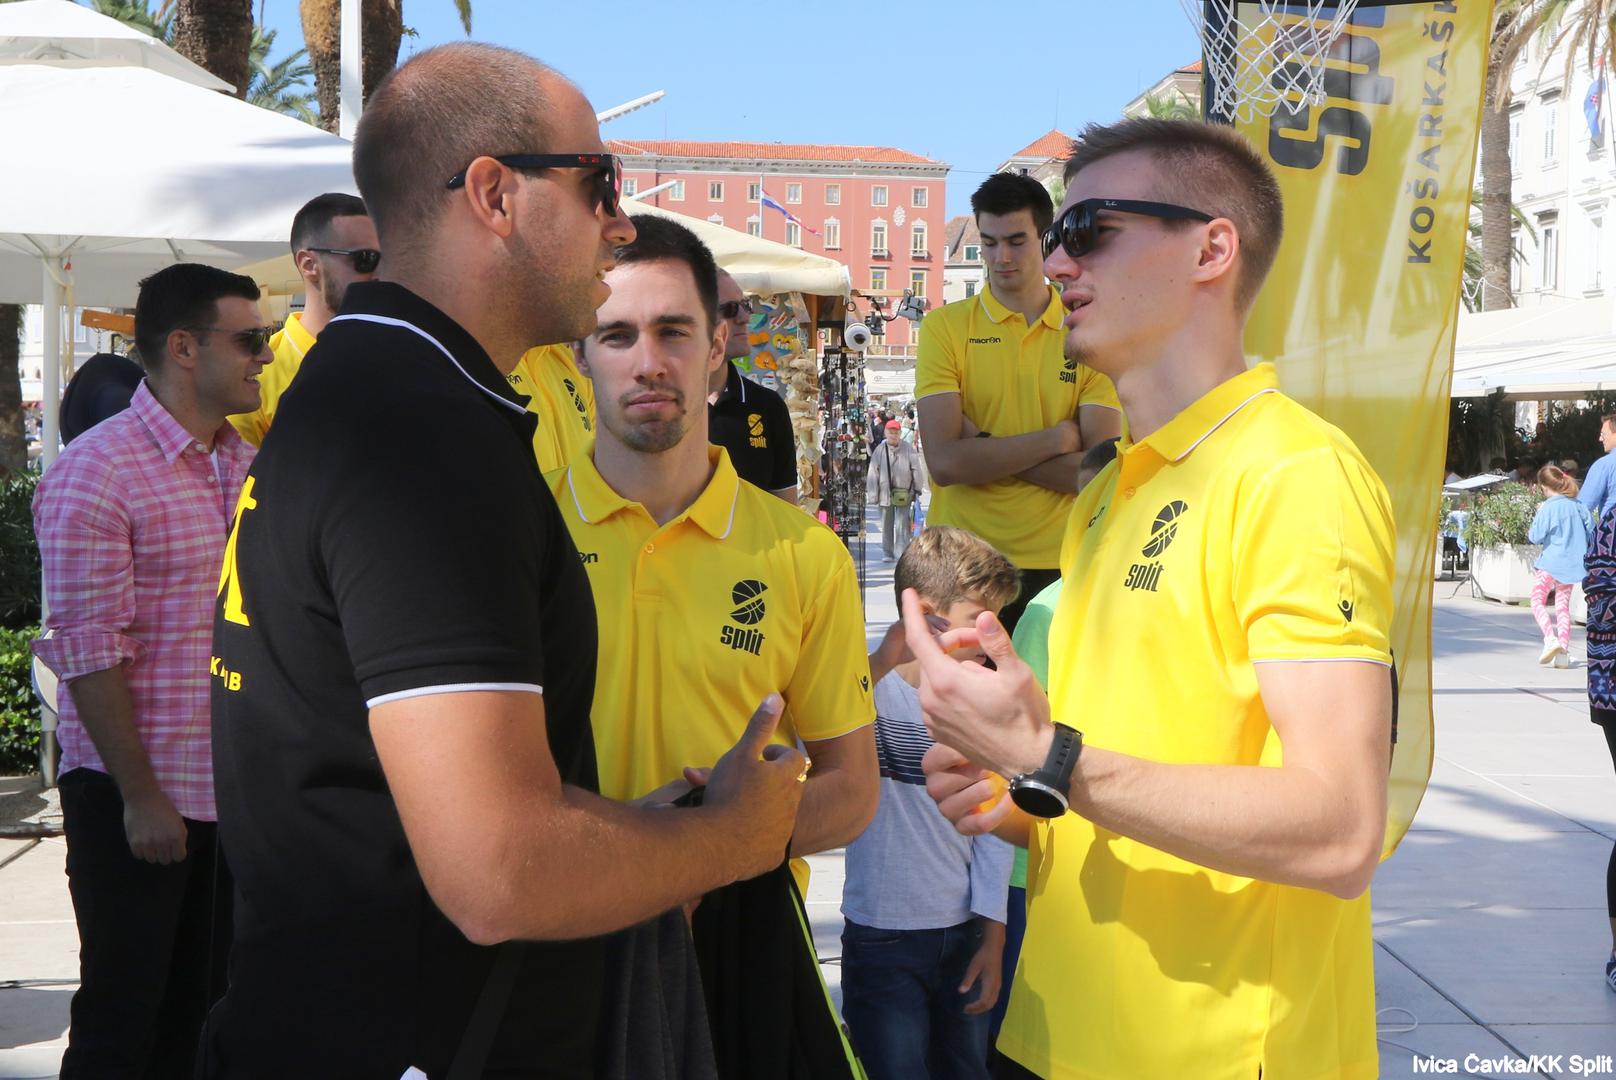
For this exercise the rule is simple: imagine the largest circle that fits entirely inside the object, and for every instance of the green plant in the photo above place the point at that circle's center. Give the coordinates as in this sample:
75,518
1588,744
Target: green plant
19,709
1502,516
19,554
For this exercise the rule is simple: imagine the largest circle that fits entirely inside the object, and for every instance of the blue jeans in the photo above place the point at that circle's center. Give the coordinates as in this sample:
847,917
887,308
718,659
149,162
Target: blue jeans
901,1001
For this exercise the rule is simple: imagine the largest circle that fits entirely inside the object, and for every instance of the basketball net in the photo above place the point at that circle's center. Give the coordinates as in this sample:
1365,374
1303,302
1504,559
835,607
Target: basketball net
1260,53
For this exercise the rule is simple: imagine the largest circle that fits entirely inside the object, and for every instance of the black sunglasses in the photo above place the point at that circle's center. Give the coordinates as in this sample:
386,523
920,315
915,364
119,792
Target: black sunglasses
731,309
253,340
365,260
1074,230
609,189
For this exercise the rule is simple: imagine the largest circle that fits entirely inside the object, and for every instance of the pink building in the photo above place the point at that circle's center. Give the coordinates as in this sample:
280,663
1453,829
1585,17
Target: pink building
877,209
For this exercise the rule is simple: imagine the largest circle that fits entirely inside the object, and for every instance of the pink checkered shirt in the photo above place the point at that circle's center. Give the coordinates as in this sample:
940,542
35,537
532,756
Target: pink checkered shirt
132,522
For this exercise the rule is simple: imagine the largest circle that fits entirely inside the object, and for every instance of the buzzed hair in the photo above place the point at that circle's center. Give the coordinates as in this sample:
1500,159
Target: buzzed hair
434,115
1207,167
311,222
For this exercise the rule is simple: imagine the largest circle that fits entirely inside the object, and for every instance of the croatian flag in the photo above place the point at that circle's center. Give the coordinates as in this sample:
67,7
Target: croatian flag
768,200
1592,105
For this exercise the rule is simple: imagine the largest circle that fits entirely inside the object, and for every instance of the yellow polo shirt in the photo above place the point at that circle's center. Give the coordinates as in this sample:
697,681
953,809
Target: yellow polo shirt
289,344
702,618
563,399
1012,379
1245,530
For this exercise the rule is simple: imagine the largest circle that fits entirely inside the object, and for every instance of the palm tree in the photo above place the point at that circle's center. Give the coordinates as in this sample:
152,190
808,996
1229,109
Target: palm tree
216,34
381,30
13,440
1171,106
1474,287
138,14
1497,186
281,87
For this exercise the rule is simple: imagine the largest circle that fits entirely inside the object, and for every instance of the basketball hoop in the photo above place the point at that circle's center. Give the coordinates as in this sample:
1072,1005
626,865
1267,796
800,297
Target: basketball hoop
1260,53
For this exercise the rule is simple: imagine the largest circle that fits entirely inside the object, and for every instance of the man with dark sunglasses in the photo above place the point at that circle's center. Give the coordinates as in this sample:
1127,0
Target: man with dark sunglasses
1004,415
745,417
1204,788
404,654
334,245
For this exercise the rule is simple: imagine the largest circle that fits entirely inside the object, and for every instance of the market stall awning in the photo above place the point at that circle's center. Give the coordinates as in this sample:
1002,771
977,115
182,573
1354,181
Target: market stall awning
1557,349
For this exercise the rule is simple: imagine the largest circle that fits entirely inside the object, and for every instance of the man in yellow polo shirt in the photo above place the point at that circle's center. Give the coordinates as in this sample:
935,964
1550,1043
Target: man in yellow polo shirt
562,397
1207,808
1005,416
712,592
334,245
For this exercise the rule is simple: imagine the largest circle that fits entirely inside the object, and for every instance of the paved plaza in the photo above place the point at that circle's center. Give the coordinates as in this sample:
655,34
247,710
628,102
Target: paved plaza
1490,922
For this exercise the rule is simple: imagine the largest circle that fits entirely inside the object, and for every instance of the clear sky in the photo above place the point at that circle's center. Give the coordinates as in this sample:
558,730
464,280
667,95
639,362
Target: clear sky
965,83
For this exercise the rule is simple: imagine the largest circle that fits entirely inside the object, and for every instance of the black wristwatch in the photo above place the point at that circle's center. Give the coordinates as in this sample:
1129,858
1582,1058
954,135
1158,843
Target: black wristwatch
1043,793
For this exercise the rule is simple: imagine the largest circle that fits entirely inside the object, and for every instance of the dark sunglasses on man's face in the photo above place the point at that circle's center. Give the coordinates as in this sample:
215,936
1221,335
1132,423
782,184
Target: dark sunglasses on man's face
1075,230
365,260
608,179
254,340
731,310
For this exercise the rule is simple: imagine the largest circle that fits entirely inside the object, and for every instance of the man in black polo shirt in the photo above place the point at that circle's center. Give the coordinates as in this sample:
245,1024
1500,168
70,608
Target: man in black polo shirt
405,639
746,418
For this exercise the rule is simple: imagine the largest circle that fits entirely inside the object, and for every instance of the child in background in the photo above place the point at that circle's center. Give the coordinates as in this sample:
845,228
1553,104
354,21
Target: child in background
1031,639
1563,526
925,906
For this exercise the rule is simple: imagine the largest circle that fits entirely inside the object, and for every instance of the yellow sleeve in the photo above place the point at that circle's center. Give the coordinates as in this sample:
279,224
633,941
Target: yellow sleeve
1094,388
1313,553
251,425
829,693
937,358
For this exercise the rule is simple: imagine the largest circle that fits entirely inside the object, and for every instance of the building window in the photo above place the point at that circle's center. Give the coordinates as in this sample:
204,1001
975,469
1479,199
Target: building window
878,238
716,219
793,234
715,191
921,195
973,253
878,279
1596,237
754,191
917,238
677,192
754,226
970,289
833,194
631,187
878,195
833,233
917,282
1516,116
1551,132
793,193
1549,248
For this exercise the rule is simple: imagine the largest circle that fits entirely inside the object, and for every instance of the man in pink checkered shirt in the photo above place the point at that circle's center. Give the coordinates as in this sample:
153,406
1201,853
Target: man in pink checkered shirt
132,522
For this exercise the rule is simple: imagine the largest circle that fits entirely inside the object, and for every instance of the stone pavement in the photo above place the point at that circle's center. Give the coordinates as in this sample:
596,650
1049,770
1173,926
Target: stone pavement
1490,921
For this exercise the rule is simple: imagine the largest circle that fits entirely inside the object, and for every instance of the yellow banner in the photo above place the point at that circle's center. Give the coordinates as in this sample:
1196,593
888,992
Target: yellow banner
1360,310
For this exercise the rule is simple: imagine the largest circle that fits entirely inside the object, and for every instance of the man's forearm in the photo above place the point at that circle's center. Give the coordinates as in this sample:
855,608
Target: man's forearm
108,714
1285,825
1057,474
835,809
982,461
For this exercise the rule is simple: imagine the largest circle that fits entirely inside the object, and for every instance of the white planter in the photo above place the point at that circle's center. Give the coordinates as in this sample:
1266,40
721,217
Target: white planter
1505,572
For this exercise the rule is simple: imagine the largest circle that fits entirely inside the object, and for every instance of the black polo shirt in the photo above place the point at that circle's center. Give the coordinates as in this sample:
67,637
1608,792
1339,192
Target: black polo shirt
753,424
396,539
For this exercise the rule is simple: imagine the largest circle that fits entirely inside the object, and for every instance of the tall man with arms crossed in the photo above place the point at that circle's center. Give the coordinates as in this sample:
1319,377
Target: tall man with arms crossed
1225,815
405,642
1004,416
716,592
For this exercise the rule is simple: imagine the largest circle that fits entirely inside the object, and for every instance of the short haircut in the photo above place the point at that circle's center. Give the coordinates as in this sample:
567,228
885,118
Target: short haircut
1207,167
1608,418
1099,455
660,239
179,297
1557,480
946,565
434,115
1005,193
310,224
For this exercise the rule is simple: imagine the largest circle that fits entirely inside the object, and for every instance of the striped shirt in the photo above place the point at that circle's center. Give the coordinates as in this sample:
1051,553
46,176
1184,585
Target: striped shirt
132,521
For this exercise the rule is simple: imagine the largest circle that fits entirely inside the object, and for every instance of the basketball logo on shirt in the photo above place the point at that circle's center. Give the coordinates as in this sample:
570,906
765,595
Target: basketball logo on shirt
1069,371
754,426
747,596
578,403
1147,575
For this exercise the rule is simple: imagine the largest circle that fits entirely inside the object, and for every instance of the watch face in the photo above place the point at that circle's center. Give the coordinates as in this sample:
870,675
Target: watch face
1036,799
